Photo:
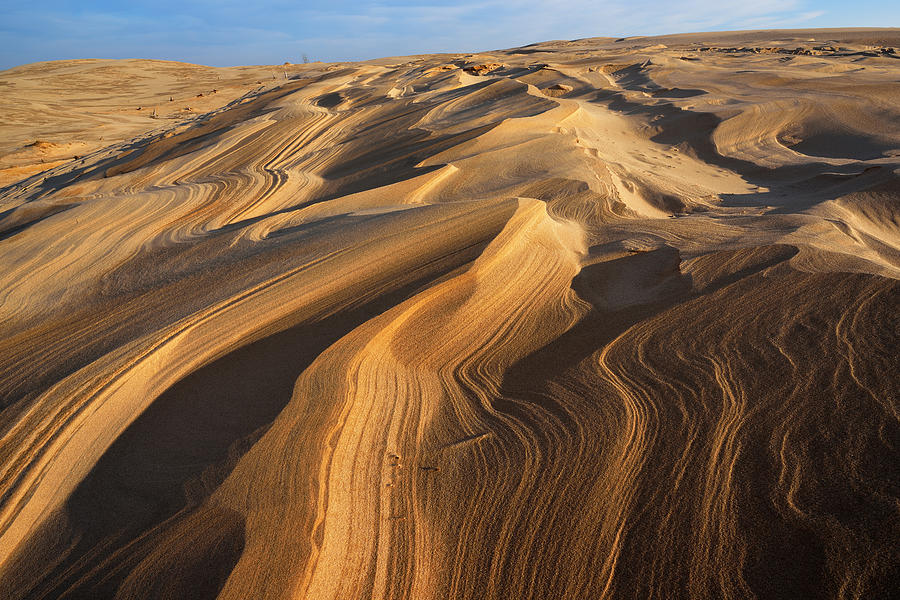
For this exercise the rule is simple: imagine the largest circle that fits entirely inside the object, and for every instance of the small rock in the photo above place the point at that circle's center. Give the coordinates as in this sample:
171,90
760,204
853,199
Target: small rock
483,68
557,90
440,69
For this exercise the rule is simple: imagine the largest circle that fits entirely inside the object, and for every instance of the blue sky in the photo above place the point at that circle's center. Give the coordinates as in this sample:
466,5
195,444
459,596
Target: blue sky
227,32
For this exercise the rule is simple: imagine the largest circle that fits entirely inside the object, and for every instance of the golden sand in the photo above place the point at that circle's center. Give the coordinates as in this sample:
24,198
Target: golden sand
583,319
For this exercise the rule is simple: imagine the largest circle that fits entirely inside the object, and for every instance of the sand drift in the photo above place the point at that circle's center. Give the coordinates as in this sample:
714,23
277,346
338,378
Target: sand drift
590,319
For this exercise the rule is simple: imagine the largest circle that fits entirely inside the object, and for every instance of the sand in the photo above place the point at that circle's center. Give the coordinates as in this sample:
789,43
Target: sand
603,318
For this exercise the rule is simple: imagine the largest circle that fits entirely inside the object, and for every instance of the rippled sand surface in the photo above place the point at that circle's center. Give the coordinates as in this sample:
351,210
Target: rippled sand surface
589,319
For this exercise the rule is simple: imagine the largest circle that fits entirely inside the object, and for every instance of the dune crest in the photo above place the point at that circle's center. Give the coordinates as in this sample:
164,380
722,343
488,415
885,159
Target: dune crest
583,319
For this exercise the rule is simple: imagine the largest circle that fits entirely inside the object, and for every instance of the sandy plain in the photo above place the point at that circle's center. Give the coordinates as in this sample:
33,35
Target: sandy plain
603,318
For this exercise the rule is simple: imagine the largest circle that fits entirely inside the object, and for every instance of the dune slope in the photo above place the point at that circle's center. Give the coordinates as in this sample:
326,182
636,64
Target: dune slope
583,319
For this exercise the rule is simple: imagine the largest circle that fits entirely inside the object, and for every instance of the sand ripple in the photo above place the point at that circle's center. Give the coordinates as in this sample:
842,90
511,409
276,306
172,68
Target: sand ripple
591,319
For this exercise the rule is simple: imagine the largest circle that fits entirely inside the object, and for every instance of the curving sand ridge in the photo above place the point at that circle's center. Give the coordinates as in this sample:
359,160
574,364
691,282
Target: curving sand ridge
590,319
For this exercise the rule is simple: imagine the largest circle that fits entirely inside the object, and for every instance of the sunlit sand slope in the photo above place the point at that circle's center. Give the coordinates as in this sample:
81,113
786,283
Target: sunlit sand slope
590,319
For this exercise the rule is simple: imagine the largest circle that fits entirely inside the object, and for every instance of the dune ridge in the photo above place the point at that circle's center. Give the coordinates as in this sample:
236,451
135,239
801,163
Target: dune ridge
595,318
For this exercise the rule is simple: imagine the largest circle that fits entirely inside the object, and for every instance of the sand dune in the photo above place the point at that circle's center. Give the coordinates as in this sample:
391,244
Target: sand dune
584,319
